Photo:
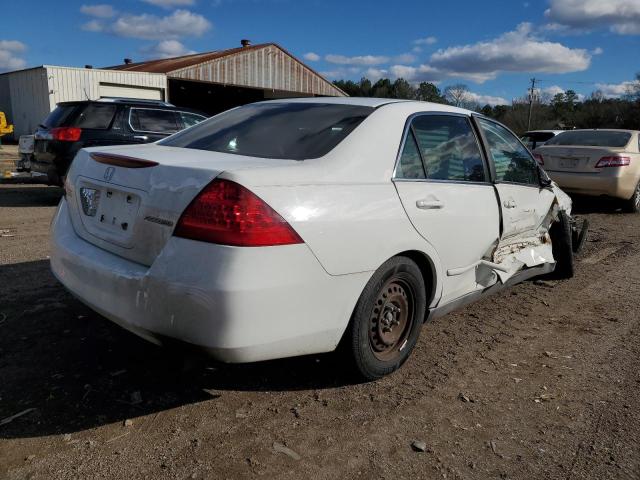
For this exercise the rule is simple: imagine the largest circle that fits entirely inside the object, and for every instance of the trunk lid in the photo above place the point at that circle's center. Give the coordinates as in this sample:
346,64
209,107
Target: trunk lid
132,212
562,158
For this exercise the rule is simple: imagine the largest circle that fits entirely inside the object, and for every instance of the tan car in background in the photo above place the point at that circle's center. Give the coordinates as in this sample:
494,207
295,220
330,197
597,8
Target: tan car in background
595,162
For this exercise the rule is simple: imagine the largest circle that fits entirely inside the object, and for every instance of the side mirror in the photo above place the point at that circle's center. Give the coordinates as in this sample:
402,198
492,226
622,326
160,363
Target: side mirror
545,181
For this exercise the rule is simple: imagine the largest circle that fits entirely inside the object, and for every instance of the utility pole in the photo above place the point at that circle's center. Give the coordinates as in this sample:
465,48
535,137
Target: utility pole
531,94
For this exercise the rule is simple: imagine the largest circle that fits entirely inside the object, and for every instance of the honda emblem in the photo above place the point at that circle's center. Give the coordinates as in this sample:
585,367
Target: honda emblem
108,173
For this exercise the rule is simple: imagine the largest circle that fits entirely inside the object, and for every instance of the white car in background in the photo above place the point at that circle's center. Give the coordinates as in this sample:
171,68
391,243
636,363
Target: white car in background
596,162
283,228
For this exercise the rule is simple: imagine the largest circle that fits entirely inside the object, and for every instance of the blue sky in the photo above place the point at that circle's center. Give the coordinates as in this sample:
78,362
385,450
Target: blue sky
493,46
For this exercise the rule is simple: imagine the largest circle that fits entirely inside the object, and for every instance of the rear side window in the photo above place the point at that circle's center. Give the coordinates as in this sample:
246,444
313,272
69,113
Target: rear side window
191,119
448,148
59,116
95,116
153,120
410,165
289,131
592,138
512,161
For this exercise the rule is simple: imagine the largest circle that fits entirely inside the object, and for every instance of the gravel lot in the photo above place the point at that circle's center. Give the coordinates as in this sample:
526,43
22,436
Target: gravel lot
539,382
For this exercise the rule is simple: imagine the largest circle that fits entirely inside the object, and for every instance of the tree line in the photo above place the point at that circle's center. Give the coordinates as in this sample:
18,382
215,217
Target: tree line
561,111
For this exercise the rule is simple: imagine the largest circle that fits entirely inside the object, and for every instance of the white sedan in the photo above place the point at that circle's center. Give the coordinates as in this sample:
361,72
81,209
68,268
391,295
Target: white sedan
289,227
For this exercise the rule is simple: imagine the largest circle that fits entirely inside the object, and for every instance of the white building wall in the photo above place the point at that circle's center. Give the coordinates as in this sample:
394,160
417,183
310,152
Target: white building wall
28,96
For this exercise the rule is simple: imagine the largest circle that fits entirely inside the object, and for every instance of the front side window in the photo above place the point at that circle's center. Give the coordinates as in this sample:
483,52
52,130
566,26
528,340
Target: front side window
153,120
448,148
512,161
279,130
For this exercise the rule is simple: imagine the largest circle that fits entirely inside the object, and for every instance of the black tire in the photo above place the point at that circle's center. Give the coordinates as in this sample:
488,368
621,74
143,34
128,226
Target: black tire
394,298
632,205
562,246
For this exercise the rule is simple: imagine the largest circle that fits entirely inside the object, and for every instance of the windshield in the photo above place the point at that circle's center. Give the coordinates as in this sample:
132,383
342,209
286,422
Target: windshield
290,131
592,138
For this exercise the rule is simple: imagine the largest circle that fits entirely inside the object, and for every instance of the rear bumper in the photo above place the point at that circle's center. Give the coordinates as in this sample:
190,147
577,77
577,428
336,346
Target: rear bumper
612,182
239,304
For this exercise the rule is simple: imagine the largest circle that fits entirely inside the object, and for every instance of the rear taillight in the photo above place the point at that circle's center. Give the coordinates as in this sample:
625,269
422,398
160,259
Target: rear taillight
65,134
613,161
229,214
539,158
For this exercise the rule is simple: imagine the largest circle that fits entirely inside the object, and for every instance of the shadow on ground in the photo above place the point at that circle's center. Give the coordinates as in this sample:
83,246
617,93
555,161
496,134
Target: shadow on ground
583,205
14,194
78,370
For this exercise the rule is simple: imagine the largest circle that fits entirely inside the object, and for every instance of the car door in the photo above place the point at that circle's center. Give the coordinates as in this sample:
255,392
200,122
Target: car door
443,182
152,124
524,203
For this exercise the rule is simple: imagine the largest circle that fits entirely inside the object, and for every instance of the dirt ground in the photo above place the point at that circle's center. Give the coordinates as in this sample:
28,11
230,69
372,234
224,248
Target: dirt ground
541,381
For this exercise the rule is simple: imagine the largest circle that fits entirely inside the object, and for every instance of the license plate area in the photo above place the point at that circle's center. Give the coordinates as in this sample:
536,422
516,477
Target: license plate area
109,212
569,162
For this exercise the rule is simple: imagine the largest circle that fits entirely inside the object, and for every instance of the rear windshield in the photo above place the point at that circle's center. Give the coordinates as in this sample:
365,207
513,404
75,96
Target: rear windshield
592,138
290,131
89,115
59,116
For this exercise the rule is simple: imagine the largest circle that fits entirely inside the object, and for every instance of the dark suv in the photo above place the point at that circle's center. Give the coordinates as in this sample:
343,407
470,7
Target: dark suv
75,125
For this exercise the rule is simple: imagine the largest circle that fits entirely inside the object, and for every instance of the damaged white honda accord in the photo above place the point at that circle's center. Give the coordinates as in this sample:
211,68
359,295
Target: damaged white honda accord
291,227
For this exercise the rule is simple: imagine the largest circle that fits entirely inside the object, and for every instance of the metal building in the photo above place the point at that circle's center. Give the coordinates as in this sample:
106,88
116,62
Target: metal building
210,82
27,96
215,81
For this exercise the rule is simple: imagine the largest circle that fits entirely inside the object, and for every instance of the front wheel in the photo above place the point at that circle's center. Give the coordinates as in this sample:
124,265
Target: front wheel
562,246
632,205
387,319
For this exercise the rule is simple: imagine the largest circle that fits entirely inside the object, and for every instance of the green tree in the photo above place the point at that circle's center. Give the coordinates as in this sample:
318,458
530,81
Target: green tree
428,92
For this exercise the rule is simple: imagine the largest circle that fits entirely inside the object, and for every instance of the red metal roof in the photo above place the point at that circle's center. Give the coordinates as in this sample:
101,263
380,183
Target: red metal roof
166,65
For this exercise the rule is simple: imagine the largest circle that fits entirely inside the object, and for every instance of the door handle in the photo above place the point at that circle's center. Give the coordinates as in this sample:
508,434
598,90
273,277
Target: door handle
429,204
510,203
144,138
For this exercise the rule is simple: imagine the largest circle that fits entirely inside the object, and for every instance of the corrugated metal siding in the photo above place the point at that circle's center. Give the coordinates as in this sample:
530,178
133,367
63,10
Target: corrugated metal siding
68,84
269,68
29,97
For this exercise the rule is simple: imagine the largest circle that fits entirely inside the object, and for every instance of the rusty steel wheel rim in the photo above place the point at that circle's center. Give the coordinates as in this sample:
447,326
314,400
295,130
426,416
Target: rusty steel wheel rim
391,319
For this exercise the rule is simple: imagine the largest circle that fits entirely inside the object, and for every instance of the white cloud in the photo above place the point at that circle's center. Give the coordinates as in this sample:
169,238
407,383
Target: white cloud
615,90
311,57
93,26
10,55
180,23
516,51
362,60
620,16
166,49
546,94
99,11
421,73
170,3
375,74
482,100
405,58
597,51
425,41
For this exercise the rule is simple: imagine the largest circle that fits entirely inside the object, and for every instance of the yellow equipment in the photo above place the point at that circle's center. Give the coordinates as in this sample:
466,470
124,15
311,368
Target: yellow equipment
5,128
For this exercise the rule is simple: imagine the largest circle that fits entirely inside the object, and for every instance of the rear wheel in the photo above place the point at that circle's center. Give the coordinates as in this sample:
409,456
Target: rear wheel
562,246
387,319
633,204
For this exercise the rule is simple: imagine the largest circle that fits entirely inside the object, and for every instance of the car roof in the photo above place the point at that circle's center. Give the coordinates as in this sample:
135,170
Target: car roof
374,103
602,130
545,131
